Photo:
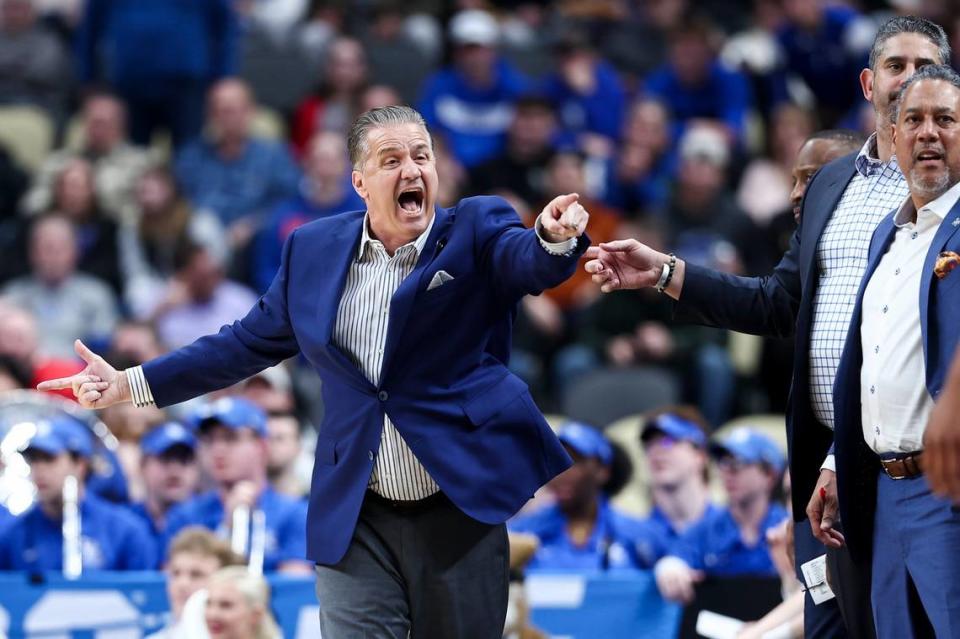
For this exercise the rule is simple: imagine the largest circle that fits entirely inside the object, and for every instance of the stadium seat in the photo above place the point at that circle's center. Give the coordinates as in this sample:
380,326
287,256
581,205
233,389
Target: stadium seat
634,498
27,132
604,396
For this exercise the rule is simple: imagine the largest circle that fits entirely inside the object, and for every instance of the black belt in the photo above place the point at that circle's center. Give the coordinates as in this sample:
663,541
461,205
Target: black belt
409,506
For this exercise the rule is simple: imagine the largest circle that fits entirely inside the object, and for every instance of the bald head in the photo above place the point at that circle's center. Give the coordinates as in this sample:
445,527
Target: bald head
819,149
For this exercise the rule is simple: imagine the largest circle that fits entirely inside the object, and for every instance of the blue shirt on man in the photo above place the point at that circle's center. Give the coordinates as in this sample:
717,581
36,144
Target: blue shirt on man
714,545
656,536
250,184
111,539
287,216
609,547
473,121
285,518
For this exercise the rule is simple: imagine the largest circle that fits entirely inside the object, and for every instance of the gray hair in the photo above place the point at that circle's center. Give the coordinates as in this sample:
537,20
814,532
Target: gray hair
929,72
374,119
910,24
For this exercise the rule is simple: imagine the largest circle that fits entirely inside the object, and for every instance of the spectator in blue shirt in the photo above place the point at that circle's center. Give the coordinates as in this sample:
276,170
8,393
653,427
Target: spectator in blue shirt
471,103
233,451
696,86
588,95
111,537
581,531
170,474
231,174
325,190
160,57
827,46
675,444
733,539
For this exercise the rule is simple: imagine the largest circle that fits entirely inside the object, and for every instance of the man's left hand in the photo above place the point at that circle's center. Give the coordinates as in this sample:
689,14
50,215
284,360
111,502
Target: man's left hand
563,218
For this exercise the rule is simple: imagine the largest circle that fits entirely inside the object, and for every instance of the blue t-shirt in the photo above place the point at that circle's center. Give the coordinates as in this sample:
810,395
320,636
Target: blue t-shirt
111,539
724,95
657,536
609,547
285,518
248,185
472,120
287,216
600,112
139,510
714,545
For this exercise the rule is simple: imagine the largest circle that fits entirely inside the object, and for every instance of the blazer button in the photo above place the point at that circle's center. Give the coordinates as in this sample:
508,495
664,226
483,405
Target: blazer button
370,455
383,396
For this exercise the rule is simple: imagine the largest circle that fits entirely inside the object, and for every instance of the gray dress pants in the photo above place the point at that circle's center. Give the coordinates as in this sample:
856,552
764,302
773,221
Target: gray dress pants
424,571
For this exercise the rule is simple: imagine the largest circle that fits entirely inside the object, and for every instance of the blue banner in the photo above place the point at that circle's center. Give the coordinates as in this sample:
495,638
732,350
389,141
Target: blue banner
130,605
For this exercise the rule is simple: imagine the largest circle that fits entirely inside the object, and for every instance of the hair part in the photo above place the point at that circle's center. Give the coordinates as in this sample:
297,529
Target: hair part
930,72
910,24
375,119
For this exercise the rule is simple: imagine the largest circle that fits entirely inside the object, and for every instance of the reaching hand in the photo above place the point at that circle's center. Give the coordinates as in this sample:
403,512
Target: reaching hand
97,386
822,511
676,579
563,218
625,264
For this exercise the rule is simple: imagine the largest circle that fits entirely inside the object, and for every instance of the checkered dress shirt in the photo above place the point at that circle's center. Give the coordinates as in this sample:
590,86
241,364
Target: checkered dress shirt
875,189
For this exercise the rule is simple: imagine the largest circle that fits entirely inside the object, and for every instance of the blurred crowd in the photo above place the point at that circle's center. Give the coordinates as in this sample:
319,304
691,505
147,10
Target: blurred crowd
155,155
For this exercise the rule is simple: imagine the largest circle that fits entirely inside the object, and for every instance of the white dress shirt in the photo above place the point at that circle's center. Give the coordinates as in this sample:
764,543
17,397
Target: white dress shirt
895,404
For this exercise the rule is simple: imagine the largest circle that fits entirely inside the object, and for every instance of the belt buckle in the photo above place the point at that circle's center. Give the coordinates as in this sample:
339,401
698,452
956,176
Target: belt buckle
892,476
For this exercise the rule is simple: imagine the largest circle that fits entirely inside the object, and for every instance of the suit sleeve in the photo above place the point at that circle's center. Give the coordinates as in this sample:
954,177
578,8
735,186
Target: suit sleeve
512,255
766,306
261,339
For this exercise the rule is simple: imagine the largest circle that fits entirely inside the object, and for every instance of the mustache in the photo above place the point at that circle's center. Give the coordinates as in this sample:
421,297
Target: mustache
931,148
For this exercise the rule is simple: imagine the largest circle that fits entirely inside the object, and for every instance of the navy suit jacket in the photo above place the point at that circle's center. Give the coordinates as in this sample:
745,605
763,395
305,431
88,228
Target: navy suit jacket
444,381
857,464
780,305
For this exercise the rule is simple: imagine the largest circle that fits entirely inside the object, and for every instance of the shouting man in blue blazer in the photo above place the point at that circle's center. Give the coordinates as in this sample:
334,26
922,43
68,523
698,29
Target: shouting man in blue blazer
428,442
899,346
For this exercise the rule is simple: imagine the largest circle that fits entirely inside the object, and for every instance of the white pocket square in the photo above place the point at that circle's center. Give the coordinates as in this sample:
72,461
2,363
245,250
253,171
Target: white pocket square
439,279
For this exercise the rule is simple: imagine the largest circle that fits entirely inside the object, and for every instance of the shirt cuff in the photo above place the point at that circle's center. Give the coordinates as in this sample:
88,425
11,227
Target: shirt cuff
829,464
139,388
563,249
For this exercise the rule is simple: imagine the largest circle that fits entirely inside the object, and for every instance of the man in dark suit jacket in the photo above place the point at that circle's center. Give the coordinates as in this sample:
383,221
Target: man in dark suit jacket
902,337
806,296
428,442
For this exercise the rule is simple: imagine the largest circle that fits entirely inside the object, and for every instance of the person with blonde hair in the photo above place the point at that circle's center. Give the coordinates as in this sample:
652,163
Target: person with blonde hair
238,606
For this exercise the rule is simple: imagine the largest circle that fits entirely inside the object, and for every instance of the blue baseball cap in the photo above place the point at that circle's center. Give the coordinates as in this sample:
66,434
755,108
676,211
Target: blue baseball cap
165,436
751,447
61,434
234,412
586,440
676,427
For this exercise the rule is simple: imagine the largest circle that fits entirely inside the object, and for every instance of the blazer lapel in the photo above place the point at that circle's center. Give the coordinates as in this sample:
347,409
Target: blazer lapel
333,262
402,301
946,230
813,225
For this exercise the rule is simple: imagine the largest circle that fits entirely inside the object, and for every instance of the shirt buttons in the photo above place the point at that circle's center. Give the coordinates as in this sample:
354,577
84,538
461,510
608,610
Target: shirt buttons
885,308
913,235
876,429
897,272
384,396
873,390
876,349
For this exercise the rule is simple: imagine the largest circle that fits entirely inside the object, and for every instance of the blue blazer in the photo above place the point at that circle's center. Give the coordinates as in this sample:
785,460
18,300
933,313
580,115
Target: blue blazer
857,464
780,305
444,381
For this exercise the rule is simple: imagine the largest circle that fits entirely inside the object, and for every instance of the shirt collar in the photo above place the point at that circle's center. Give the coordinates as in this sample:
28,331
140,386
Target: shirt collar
939,207
366,238
868,160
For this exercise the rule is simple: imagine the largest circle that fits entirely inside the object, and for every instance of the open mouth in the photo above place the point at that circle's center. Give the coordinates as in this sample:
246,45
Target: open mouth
411,200
929,156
